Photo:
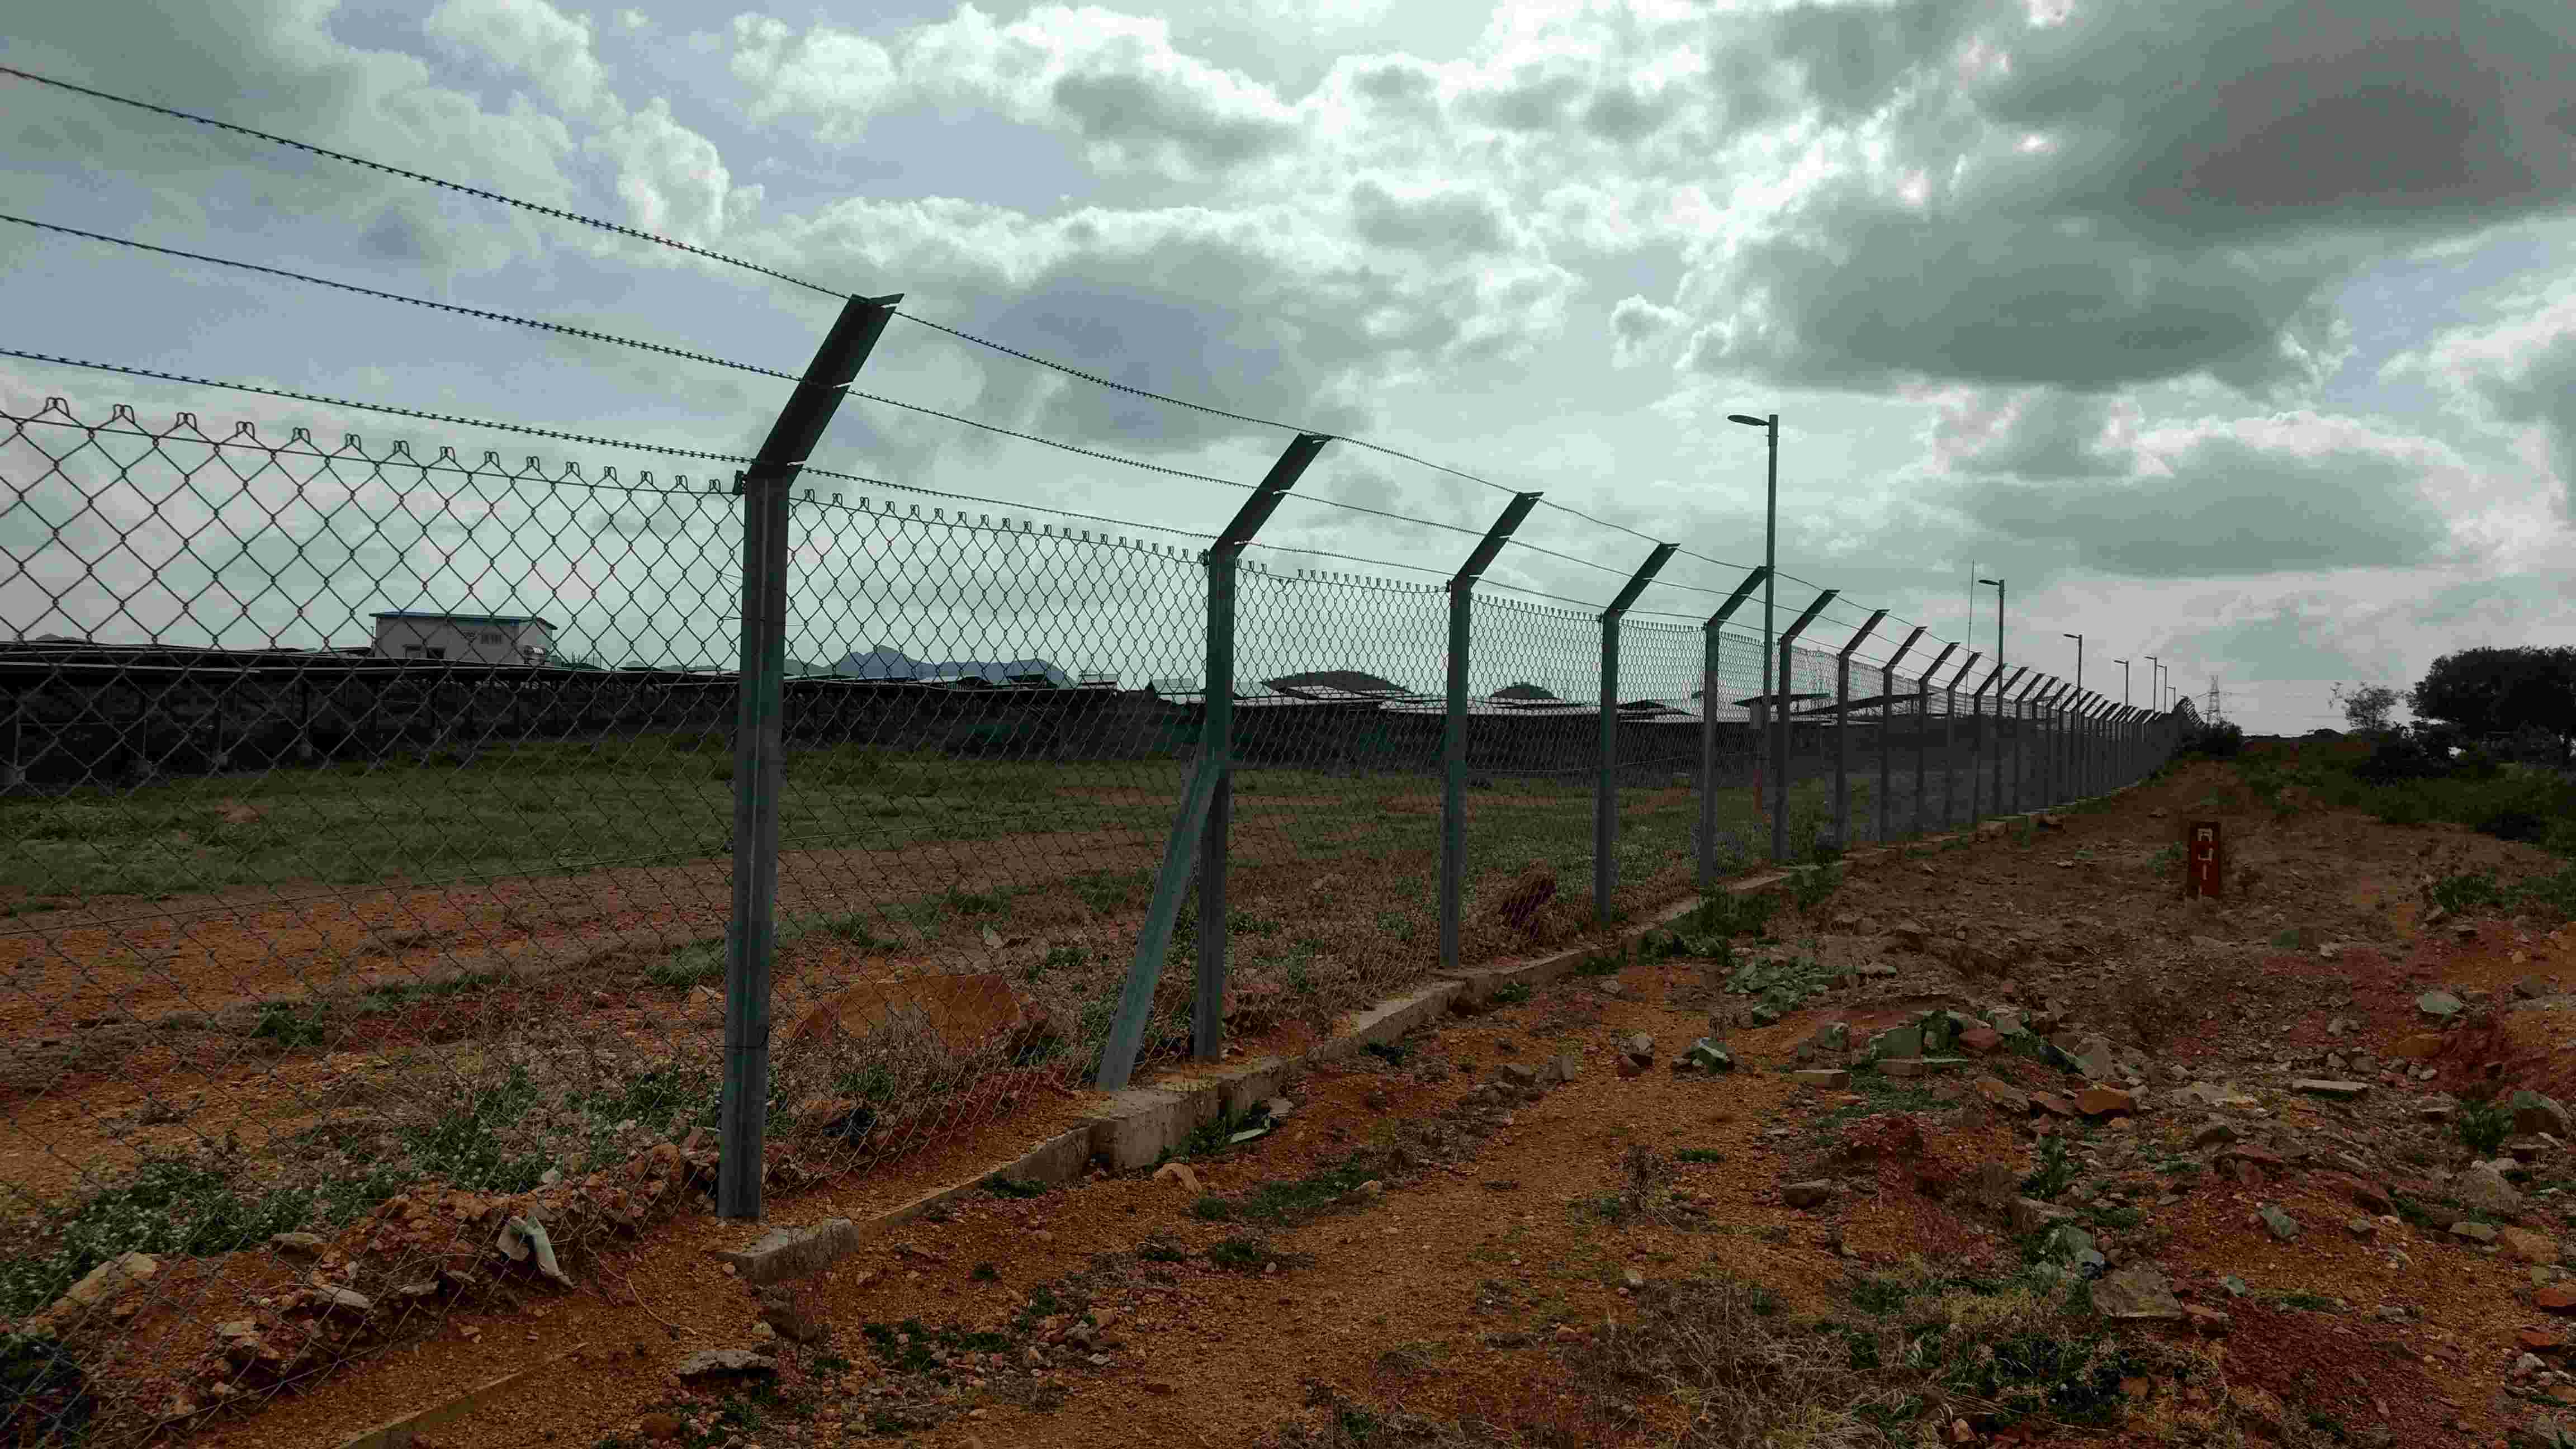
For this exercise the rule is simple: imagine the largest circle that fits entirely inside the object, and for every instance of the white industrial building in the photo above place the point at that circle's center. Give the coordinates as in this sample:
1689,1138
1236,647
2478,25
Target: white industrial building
464,638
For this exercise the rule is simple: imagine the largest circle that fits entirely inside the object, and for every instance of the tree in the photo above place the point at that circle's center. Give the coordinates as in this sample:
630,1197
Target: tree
2484,692
2367,709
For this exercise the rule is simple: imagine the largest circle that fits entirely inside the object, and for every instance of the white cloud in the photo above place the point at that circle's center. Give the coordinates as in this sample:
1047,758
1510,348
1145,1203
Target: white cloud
1638,326
533,40
2517,374
1112,80
673,180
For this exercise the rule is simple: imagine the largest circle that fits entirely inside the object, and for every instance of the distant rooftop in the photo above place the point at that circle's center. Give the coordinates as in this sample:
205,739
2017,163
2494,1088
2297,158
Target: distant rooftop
461,618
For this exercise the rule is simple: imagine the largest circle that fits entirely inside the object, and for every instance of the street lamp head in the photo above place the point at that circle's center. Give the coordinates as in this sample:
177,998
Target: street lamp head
1748,421
1998,583
2078,638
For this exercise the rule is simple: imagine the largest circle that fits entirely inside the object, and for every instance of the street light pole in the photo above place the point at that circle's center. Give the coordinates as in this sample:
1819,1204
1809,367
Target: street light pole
1770,557
2124,680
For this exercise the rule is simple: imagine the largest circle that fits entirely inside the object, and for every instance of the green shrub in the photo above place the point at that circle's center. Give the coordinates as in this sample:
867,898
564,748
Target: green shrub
2483,1126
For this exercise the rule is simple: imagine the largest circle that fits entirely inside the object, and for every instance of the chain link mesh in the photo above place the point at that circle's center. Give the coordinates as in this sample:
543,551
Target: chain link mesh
365,892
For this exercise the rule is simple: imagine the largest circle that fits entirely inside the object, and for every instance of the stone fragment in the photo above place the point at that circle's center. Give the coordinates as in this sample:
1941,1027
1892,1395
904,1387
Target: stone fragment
2003,1095
2029,1214
97,1289
2534,1113
712,1362
2282,1225
1981,1041
2213,1133
1899,1041
2093,1058
1641,1047
2527,1246
2440,1005
2555,1297
1832,1081
1179,1172
1805,1194
2483,1189
1568,1066
2053,1104
300,1245
2321,1087
2474,1232
2136,1293
792,1315
2100,1101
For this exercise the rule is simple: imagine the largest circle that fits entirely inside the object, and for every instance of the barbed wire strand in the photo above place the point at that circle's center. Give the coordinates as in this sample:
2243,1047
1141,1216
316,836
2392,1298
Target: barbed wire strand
1165,469
462,311
423,177
535,432
1068,371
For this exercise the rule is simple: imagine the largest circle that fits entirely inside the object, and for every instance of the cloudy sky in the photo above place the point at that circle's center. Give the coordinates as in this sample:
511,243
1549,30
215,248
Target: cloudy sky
2242,334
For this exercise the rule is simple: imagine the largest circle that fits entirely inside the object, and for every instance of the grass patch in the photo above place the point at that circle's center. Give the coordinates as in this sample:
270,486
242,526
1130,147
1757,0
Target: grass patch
2057,1172
696,964
1512,993
1810,889
1016,1187
289,1025
378,999
1698,1154
2483,1126
1250,1255
184,1207
1287,1204
1778,987
2466,891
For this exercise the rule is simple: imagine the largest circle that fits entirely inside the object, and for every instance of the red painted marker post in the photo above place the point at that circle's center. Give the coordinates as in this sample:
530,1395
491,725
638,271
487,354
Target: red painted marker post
2205,857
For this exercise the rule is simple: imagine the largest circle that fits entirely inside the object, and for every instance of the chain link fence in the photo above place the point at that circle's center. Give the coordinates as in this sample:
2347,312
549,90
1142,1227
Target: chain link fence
367,910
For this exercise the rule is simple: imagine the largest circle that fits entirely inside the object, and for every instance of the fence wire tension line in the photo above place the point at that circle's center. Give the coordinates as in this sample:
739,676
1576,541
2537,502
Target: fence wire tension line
405,850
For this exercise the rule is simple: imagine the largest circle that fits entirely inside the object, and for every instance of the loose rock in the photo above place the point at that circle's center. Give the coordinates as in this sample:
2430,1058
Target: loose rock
1805,1194
2283,1226
711,1362
2483,1189
2137,1293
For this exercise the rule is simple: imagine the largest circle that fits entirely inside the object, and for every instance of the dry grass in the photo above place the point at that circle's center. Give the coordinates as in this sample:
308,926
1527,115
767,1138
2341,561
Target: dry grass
1717,1362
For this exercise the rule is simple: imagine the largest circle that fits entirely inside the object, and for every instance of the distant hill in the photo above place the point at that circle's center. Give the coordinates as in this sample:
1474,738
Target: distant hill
885,663
1352,680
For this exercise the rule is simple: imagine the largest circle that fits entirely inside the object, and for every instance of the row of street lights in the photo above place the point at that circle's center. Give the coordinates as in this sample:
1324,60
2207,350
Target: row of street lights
1776,697
1770,426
